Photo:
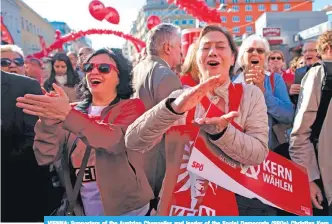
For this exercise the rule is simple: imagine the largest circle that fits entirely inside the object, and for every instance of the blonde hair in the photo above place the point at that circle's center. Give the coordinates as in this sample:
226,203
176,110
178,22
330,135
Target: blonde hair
189,64
11,48
293,63
298,62
324,40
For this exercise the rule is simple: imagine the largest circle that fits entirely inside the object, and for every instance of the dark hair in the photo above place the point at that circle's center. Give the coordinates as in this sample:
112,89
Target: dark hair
72,77
232,44
124,88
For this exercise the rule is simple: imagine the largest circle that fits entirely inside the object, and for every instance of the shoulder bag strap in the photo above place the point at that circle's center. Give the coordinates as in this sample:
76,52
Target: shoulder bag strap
72,193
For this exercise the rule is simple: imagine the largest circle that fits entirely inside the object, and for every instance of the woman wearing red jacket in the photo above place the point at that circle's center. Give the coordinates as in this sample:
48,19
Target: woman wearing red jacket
114,183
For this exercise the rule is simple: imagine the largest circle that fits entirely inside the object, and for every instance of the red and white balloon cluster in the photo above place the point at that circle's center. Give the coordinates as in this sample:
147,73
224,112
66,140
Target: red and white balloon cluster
139,44
198,9
100,12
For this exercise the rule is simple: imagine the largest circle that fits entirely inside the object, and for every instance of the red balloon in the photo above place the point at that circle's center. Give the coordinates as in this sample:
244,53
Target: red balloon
153,21
97,10
112,15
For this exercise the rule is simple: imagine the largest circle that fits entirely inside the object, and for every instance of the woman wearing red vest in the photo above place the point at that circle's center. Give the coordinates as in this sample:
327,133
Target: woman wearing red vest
234,129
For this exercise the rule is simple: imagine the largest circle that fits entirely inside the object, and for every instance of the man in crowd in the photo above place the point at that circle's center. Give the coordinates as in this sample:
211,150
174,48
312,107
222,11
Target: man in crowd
83,53
309,147
12,59
73,59
34,69
27,194
310,56
154,80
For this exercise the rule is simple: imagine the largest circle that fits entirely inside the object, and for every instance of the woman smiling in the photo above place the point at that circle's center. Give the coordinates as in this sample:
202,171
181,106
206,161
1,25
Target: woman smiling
114,182
242,141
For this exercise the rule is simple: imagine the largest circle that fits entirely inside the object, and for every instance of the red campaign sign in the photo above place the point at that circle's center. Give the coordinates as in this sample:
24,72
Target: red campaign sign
186,193
274,182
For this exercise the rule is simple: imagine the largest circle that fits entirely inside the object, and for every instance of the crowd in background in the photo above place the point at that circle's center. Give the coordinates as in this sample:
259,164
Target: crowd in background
96,116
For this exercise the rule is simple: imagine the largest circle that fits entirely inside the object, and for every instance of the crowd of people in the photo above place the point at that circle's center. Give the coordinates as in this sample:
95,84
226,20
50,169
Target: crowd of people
88,136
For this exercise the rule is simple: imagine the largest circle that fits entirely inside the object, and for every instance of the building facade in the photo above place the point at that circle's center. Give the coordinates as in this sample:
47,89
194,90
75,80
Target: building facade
238,16
280,32
167,13
64,29
32,25
10,12
79,43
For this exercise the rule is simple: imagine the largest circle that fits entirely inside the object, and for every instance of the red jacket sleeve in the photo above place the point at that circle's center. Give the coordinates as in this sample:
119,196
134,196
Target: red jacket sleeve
105,136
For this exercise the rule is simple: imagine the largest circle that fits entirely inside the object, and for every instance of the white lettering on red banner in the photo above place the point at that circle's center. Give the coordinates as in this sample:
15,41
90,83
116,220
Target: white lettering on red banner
273,173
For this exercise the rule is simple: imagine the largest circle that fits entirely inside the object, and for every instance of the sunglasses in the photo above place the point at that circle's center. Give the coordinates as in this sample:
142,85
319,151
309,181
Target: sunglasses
258,50
274,58
102,67
5,62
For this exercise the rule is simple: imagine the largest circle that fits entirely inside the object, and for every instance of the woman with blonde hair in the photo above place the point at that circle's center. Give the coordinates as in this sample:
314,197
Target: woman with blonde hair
189,67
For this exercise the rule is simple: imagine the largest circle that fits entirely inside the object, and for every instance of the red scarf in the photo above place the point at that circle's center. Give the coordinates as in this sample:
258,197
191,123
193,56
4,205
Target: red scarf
201,197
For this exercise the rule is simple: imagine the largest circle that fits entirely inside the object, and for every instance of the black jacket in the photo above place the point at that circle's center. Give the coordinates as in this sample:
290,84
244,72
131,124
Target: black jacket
26,188
299,74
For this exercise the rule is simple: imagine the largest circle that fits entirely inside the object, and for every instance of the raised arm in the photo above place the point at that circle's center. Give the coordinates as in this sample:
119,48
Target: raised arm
104,136
148,130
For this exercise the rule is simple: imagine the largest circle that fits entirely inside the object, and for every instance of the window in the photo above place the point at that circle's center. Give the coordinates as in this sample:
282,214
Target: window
27,25
235,8
222,1
274,7
248,18
184,22
191,21
235,1
249,29
261,8
236,30
224,19
22,23
287,6
17,25
248,1
248,8
236,19
176,22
